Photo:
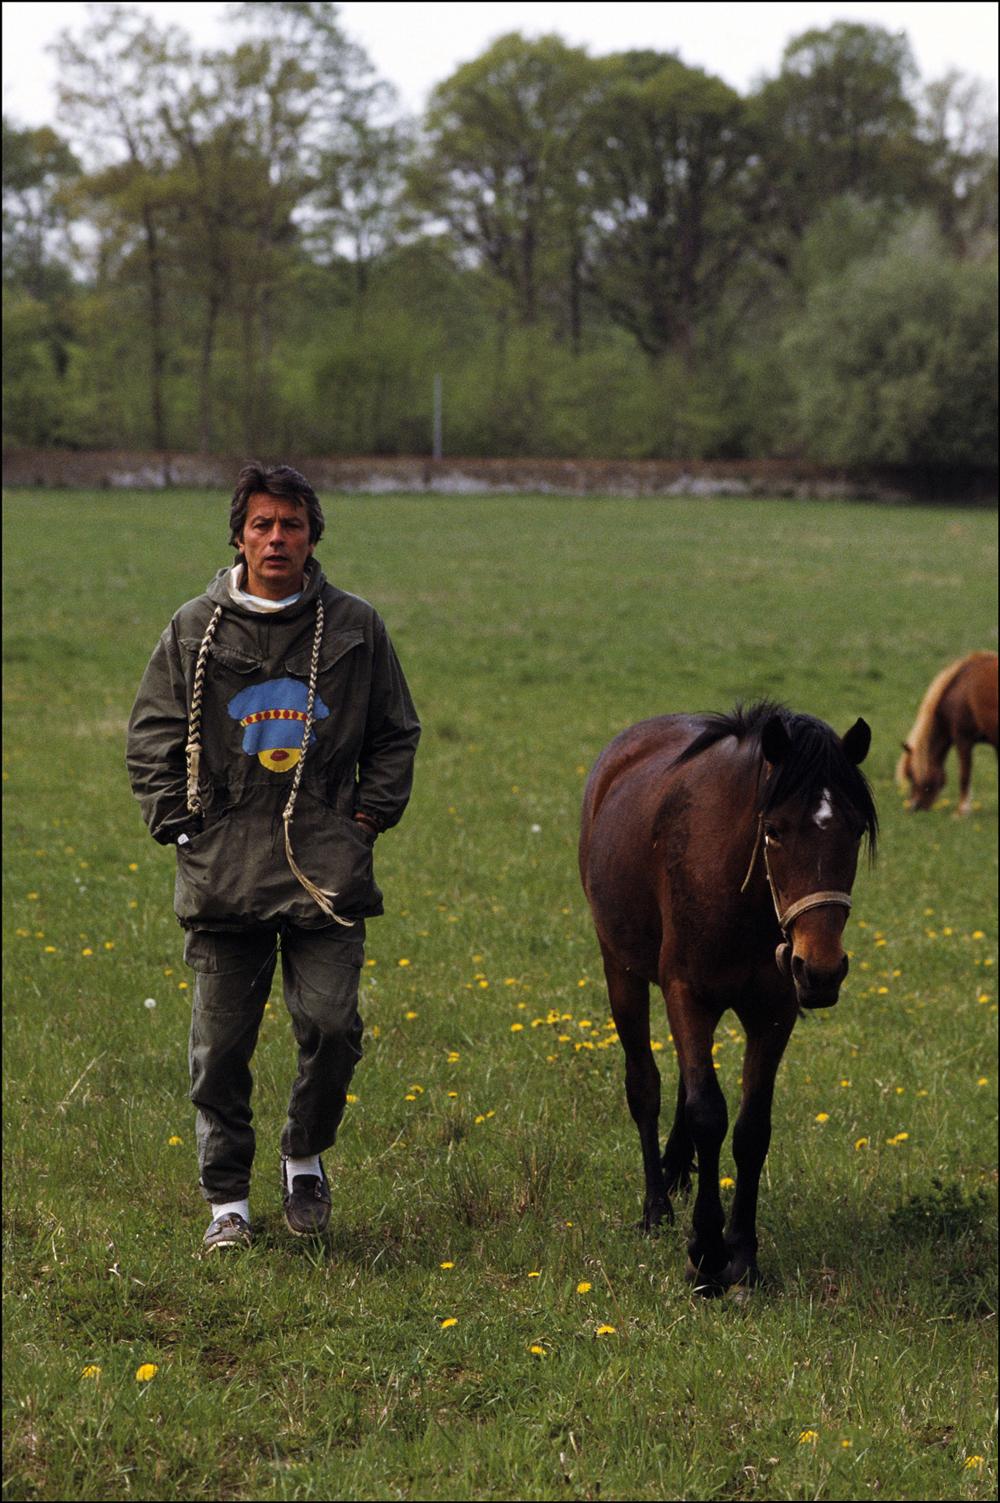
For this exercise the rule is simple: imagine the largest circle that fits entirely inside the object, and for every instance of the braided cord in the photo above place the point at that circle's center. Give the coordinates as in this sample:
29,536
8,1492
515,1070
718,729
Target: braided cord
192,749
320,895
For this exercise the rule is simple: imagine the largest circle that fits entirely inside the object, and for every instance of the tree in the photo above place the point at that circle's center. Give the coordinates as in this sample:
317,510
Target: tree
111,88
837,119
499,165
958,124
895,360
671,194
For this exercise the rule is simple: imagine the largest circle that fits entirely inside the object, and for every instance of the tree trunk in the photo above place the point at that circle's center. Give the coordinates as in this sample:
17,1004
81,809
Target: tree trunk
157,344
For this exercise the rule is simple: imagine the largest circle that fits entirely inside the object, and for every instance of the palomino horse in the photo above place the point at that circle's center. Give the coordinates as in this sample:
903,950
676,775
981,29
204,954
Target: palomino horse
718,853
959,709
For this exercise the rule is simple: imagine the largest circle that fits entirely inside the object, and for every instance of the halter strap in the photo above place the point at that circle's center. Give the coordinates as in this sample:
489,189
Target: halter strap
785,919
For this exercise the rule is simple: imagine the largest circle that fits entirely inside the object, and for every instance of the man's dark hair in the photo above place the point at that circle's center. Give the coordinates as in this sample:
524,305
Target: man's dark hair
278,480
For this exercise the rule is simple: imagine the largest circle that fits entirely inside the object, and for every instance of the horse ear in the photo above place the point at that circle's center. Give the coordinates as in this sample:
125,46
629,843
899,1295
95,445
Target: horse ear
856,742
775,742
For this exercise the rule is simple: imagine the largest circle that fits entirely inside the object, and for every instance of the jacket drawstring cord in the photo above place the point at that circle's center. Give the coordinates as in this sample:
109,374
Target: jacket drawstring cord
319,895
192,750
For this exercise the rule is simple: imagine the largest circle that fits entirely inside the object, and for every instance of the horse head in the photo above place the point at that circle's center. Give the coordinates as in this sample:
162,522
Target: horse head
815,808
924,781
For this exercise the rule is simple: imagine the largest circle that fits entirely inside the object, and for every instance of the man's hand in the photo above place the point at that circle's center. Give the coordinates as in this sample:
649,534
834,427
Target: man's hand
367,824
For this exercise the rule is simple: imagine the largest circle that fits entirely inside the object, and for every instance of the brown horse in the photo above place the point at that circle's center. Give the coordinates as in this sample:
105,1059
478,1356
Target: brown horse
718,854
960,710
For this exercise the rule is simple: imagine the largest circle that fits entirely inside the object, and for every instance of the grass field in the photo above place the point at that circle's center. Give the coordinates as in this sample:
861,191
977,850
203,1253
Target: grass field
485,1321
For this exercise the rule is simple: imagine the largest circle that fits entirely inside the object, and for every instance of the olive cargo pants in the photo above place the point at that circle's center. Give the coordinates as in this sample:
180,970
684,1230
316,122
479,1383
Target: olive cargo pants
233,973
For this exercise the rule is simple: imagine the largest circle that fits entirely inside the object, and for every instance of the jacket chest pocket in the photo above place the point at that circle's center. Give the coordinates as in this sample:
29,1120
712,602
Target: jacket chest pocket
229,660
334,654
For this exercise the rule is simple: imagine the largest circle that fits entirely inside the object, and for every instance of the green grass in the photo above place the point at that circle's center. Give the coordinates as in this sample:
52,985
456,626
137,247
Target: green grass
532,630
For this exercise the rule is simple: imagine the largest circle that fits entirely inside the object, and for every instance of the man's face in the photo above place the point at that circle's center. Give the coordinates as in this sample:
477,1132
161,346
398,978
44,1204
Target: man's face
275,545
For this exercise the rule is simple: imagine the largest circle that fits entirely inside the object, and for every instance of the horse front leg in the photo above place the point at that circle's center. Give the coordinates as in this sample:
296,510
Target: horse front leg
751,1140
963,747
706,1121
629,998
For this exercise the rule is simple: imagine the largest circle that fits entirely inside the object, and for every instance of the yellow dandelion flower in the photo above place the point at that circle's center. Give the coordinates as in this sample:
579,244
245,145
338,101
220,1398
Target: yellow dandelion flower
847,1444
655,1045
583,1287
50,949
133,902
822,1117
808,1437
92,1370
452,1320
845,1082
182,986
605,1331
133,866
86,951
480,1118
403,962
32,897
726,1182
536,1350
409,1016
582,981
109,944
446,1265
978,934
972,1463
517,1027
351,1097
883,991
983,997
900,1090
983,1080
483,982
860,1143
534,1274
145,1371
453,1094
174,1140
453,1056
410,1096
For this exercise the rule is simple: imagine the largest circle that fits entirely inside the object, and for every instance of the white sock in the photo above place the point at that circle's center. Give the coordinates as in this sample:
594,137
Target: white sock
301,1166
232,1208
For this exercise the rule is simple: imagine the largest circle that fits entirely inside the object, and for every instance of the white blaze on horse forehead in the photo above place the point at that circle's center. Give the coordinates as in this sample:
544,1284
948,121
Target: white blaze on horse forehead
824,810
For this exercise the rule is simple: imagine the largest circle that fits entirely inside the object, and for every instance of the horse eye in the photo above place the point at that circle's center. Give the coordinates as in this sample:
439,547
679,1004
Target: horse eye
771,833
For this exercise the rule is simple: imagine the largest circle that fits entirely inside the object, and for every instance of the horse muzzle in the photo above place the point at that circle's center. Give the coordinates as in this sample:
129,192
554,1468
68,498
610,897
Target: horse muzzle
813,987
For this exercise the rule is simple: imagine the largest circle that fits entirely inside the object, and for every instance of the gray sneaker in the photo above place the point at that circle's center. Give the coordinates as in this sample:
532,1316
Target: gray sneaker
225,1232
307,1204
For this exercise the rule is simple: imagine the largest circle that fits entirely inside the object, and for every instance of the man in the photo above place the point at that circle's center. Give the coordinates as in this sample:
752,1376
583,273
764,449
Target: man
271,741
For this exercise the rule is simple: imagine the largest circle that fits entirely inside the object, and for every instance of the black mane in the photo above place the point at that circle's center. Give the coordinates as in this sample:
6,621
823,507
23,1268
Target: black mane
816,760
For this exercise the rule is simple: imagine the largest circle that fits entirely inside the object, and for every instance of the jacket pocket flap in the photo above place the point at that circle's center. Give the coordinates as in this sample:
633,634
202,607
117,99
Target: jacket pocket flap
331,651
229,657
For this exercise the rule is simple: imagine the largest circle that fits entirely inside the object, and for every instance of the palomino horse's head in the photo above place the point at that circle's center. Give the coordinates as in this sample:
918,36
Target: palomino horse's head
815,808
924,779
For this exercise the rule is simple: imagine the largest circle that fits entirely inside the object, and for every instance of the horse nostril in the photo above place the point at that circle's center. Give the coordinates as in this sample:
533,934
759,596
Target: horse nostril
811,979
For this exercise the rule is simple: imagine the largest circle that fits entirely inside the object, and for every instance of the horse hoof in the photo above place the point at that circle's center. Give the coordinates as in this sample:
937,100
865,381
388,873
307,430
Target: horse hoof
708,1285
653,1217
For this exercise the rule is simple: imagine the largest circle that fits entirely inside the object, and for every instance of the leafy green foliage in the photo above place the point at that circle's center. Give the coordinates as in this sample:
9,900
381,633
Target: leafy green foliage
614,256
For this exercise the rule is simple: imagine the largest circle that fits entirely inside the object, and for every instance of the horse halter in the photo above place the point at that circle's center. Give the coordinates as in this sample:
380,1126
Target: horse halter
802,905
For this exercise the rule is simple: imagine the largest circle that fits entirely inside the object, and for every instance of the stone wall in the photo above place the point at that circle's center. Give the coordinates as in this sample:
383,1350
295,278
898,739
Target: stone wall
113,469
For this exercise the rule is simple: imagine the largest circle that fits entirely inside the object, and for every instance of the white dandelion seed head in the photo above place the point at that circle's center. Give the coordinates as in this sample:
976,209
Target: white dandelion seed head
536,829
150,1002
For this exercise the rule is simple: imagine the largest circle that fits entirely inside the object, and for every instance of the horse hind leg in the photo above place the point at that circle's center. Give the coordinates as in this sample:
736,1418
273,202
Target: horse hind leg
678,1154
629,998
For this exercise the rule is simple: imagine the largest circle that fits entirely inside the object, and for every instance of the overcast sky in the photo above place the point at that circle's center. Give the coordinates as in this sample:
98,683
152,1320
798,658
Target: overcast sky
417,44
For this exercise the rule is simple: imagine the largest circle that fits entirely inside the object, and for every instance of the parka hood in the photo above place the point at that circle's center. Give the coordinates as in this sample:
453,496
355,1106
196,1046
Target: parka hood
315,579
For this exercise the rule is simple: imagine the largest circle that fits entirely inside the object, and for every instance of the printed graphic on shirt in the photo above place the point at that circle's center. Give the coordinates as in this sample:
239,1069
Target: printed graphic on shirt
273,717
